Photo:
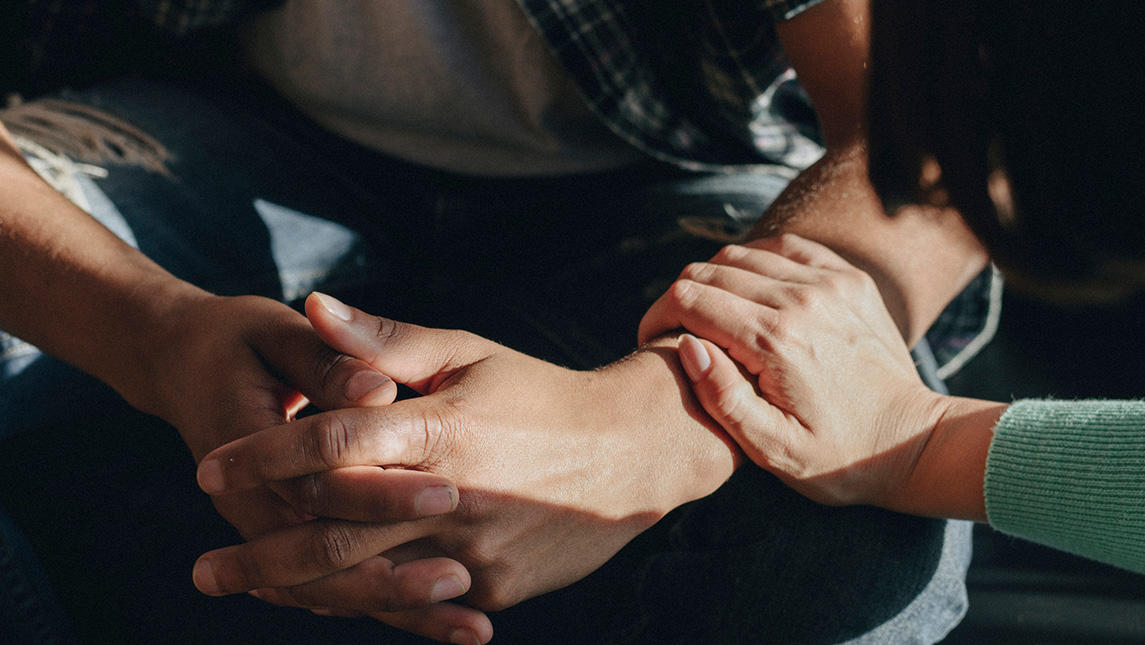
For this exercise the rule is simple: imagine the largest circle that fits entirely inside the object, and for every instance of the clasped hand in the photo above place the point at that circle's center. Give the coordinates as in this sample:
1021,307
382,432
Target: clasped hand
221,368
557,470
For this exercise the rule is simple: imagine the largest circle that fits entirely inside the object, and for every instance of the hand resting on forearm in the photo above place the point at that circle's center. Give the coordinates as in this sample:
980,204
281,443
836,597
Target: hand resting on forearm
804,367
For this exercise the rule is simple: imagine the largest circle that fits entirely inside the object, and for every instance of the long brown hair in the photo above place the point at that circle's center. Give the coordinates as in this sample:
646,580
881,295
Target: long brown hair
1026,116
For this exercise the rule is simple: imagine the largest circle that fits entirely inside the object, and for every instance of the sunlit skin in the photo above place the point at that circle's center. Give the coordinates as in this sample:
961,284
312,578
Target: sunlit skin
221,369
813,380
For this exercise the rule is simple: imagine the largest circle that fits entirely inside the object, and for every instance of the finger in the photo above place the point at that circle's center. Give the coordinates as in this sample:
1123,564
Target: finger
378,585
396,435
803,251
282,599
370,494
420,357
730,398
748,272
328,378
765,262
690,305
745,328
298,554
415,550
334,612
258,511
446,622
745,283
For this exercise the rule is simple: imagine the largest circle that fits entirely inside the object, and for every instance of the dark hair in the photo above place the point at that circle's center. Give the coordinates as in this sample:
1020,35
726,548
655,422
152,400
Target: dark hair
1032,112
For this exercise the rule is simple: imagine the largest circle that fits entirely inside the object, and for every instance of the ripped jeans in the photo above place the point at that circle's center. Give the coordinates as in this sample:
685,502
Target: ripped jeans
101,516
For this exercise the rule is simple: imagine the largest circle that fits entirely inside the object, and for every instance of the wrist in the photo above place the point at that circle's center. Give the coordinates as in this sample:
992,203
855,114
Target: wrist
946,479
152,335
683,452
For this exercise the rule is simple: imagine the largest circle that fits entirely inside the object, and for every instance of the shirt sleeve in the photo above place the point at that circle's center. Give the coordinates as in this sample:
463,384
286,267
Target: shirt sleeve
1071,475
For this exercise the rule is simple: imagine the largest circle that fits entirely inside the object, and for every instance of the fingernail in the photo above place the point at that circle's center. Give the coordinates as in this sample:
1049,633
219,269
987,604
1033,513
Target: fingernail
463,637
204,577
446,588
336,307
694,357
363,383
211,477
435,500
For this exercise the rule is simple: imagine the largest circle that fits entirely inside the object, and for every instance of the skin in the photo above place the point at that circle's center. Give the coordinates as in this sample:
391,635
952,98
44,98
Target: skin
787,325
922,256
832,201
616,460
196,360
201,362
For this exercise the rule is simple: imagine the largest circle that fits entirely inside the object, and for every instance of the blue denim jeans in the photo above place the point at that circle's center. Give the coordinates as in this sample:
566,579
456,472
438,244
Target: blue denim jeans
103,519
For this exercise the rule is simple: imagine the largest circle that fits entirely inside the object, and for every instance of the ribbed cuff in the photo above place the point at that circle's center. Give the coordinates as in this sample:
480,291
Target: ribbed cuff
1071,475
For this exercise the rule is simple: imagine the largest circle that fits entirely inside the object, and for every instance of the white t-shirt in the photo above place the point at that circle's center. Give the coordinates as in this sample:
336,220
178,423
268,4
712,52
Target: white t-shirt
462,85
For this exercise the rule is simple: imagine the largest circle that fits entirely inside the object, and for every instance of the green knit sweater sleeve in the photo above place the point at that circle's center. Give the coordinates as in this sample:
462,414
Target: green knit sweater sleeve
1071,475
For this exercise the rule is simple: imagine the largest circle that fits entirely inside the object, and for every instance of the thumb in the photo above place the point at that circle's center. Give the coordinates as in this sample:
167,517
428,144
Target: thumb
730,398
420,357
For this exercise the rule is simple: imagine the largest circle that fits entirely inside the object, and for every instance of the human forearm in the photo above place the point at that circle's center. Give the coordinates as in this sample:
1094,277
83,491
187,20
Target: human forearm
71,287
660,405
920,258
1067,474
947,479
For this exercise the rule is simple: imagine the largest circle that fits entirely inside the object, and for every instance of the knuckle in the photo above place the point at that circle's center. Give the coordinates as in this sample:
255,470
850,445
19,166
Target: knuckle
773,329
497,596
330,443
683,294
383,595
696,271
730,253
332,546
387,330
326,366
481,554
429,435
803,295
729,406
783,454
471,505
786,241
836,283
863,279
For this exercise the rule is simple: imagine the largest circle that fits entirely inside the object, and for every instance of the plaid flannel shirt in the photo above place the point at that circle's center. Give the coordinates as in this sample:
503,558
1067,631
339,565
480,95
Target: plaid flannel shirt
703,85
700,84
